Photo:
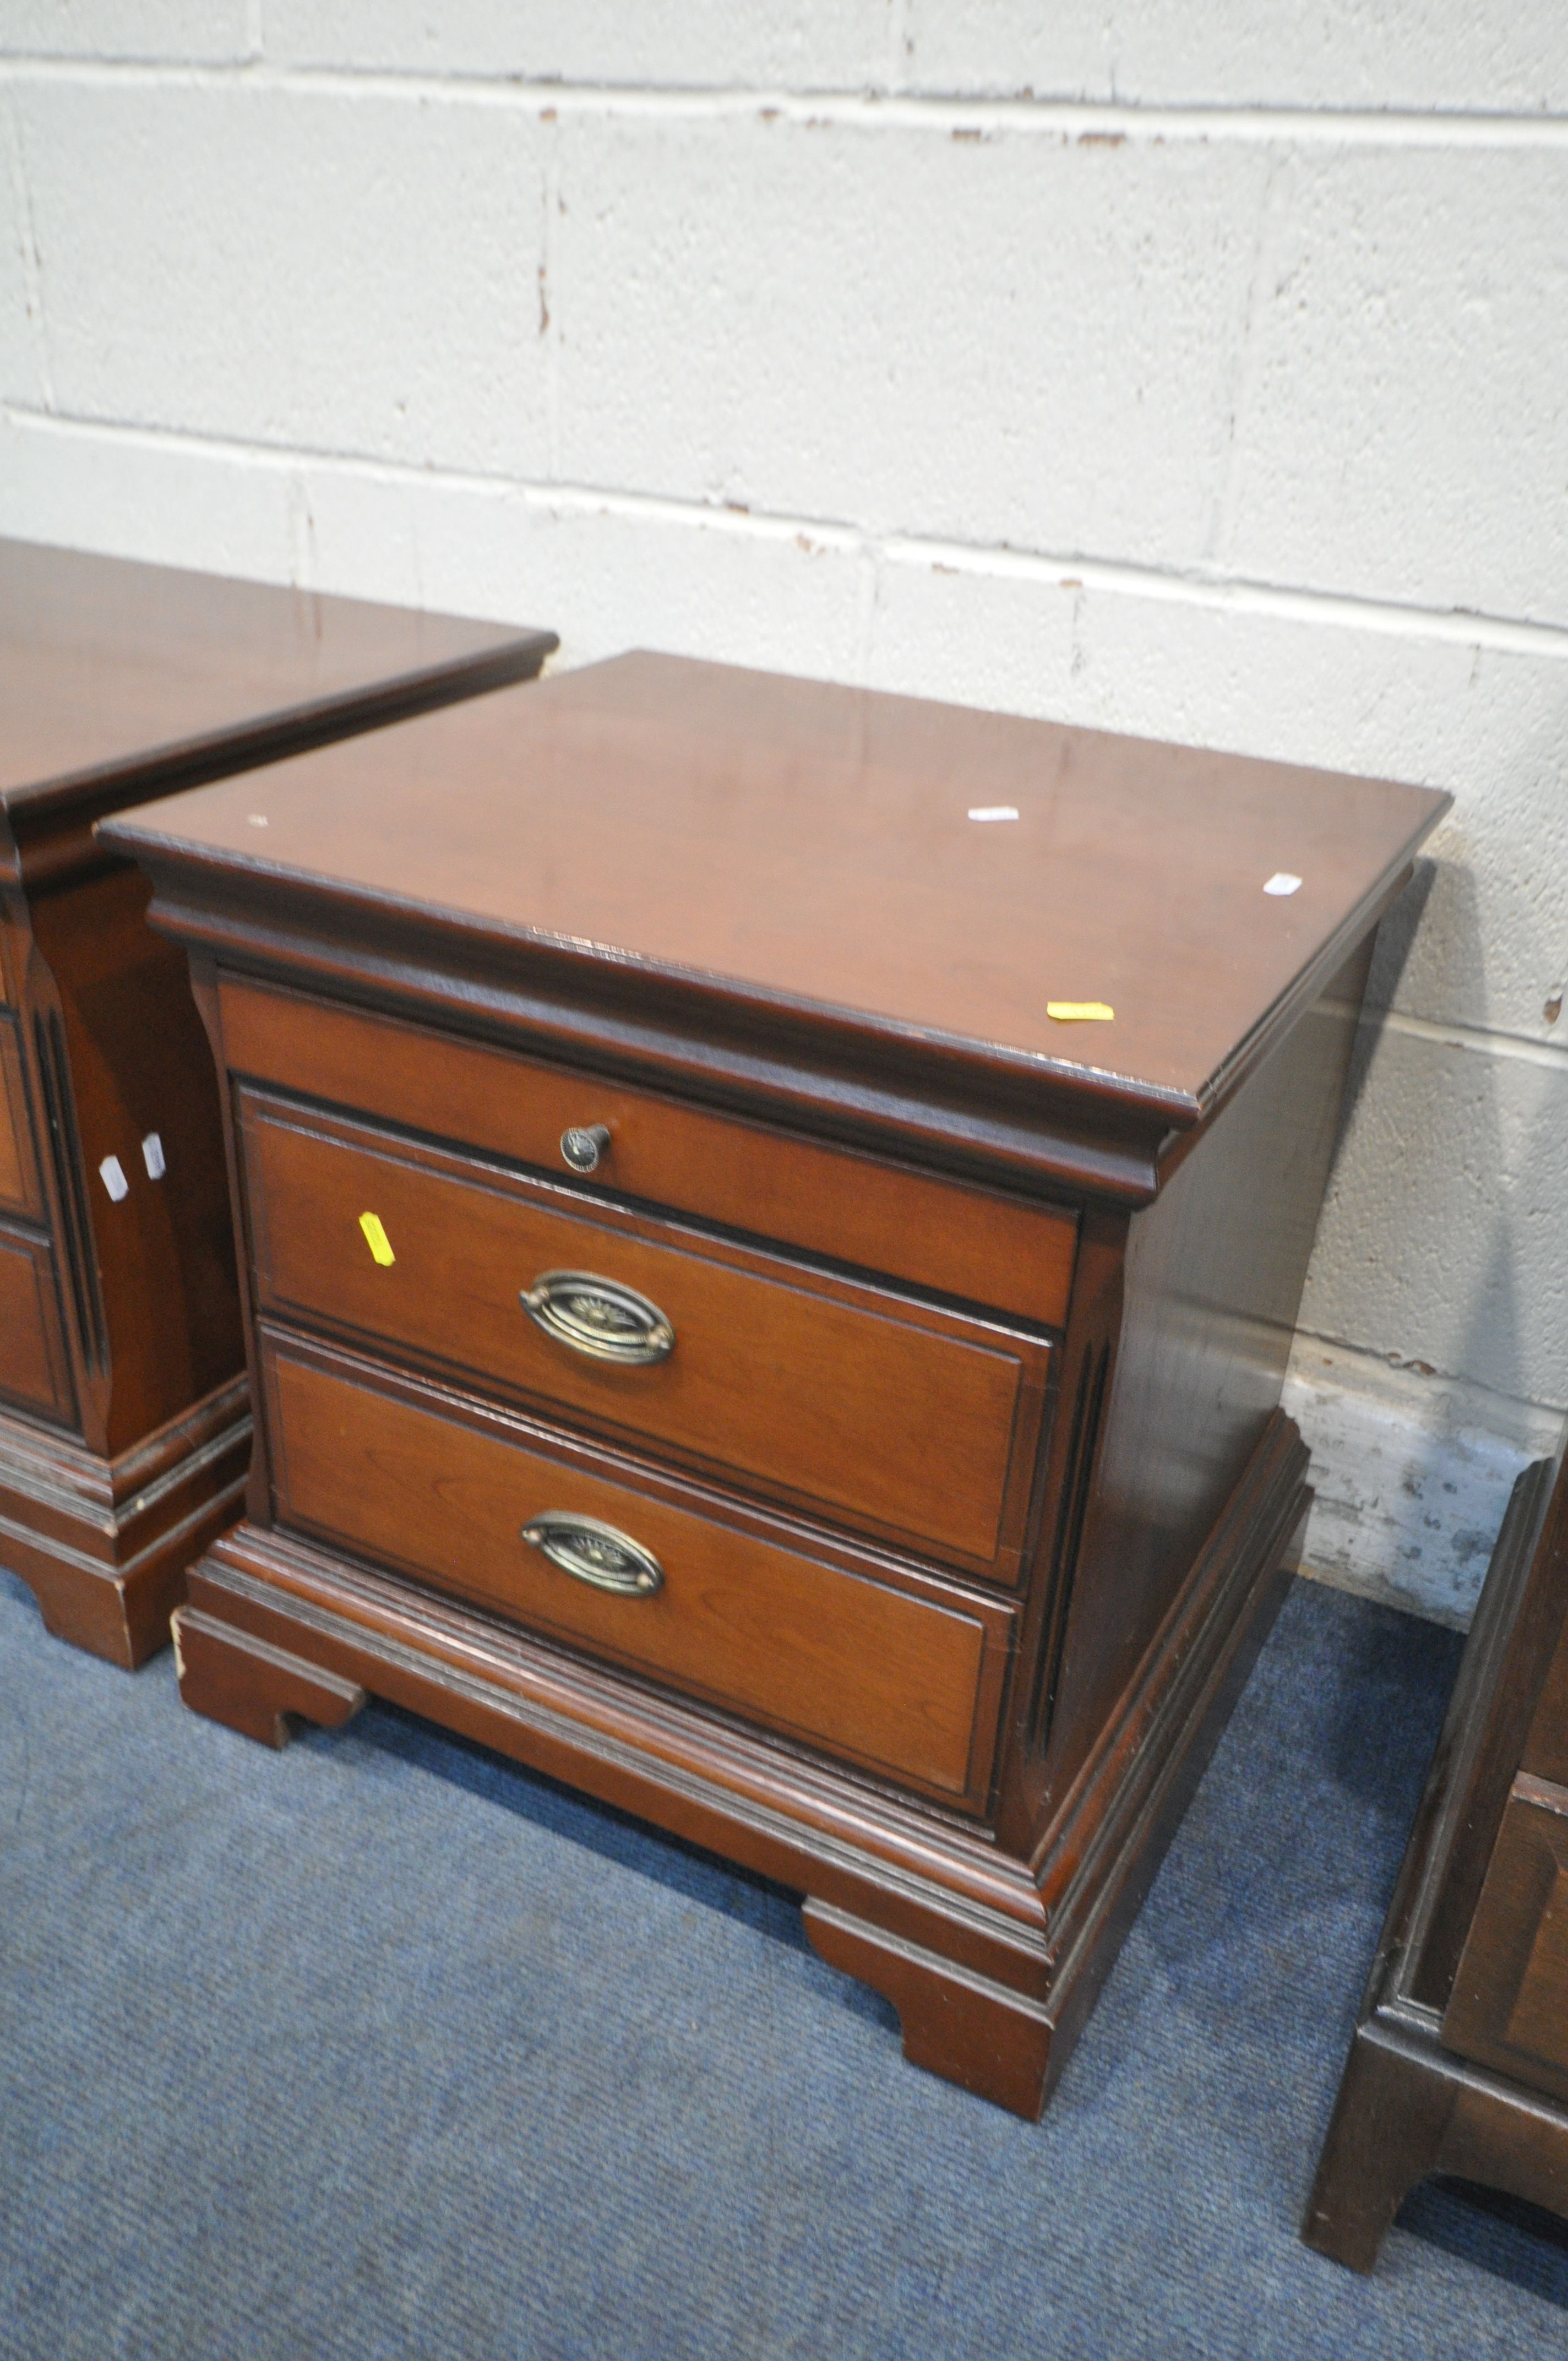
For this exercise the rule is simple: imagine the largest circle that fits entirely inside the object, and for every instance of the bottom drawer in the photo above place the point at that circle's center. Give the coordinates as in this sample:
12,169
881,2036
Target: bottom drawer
1509,2007
904,1682
33,1369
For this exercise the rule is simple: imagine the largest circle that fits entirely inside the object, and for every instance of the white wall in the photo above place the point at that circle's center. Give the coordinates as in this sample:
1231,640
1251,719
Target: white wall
1198,372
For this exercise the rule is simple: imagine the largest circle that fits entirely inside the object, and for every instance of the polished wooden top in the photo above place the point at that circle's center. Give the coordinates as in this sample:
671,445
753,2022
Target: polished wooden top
114,673
807,848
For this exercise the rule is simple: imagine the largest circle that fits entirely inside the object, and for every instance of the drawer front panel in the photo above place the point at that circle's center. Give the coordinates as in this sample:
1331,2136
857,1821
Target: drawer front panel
946,1235
893,1416
33,1367
19,1167
1509,2007
1546,1745
894,1680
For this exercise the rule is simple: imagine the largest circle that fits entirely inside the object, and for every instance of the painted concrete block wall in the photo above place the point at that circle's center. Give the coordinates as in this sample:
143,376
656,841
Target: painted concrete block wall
1197,373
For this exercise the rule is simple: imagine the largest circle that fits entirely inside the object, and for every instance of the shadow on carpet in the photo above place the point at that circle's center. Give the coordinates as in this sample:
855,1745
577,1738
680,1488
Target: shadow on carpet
382,2047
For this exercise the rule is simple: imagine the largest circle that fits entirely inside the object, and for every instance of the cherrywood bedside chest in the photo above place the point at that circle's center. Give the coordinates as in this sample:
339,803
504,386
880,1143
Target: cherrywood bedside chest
1460,2062
125,1419
729,1330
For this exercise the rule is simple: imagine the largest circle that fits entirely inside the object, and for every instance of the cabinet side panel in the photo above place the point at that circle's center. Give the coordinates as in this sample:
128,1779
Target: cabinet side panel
1511,1693
1213,1276
143,1093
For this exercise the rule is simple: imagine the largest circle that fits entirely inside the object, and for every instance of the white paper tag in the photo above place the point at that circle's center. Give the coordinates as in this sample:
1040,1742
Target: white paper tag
112,1172
1282,882
993,811
152,1156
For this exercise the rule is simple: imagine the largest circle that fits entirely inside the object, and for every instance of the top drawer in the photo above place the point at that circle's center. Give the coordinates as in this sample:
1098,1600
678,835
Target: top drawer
978,1244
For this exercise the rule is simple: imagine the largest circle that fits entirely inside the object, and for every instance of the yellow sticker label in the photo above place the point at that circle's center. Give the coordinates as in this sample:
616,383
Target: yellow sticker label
1079,1011
376,1239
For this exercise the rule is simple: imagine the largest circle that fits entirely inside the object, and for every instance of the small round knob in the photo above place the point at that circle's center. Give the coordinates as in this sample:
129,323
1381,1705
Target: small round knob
583,1145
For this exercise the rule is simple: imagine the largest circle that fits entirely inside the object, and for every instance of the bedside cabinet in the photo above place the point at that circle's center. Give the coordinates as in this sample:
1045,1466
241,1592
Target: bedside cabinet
1460,2062
125,1419
773,1217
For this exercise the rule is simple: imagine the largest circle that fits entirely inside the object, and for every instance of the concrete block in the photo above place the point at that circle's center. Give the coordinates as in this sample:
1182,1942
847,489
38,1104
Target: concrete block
1462,54
606,580
1492,946
191,31
1488,724
133,496
22,374
283,268
1402,417
1412,1473
1020,341
659,44
1441,1235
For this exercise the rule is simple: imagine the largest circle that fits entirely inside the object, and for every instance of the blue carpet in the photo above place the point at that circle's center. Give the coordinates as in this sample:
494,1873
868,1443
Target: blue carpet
382,2047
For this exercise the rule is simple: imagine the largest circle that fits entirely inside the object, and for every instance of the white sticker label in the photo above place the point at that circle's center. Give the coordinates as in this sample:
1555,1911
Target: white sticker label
152,1156
1283,883
993,811
112,1172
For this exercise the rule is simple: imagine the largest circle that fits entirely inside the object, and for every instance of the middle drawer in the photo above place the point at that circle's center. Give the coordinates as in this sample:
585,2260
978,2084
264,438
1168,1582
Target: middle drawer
899,1418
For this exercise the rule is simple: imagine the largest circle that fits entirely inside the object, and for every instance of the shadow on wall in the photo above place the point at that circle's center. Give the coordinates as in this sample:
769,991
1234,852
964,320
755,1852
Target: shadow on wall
1443,1187
1489,1349
1390,954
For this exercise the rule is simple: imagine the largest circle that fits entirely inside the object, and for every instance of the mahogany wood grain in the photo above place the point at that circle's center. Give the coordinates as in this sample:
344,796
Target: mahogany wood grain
257,1689
1209,1281
1095,1854
1545,1752
158,1324
1460,2062
749,926
714,1778
1391,2125
1503,1709
972,2031
119,682
34,1372
972,1243
103,1543
600,816
874,1672
1409,2107
1509,2004
19,1186
910,1882
883,1410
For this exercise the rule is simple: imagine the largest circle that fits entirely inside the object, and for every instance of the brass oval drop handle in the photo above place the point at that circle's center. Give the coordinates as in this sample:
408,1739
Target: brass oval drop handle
583,1145
595,1553
599,1318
